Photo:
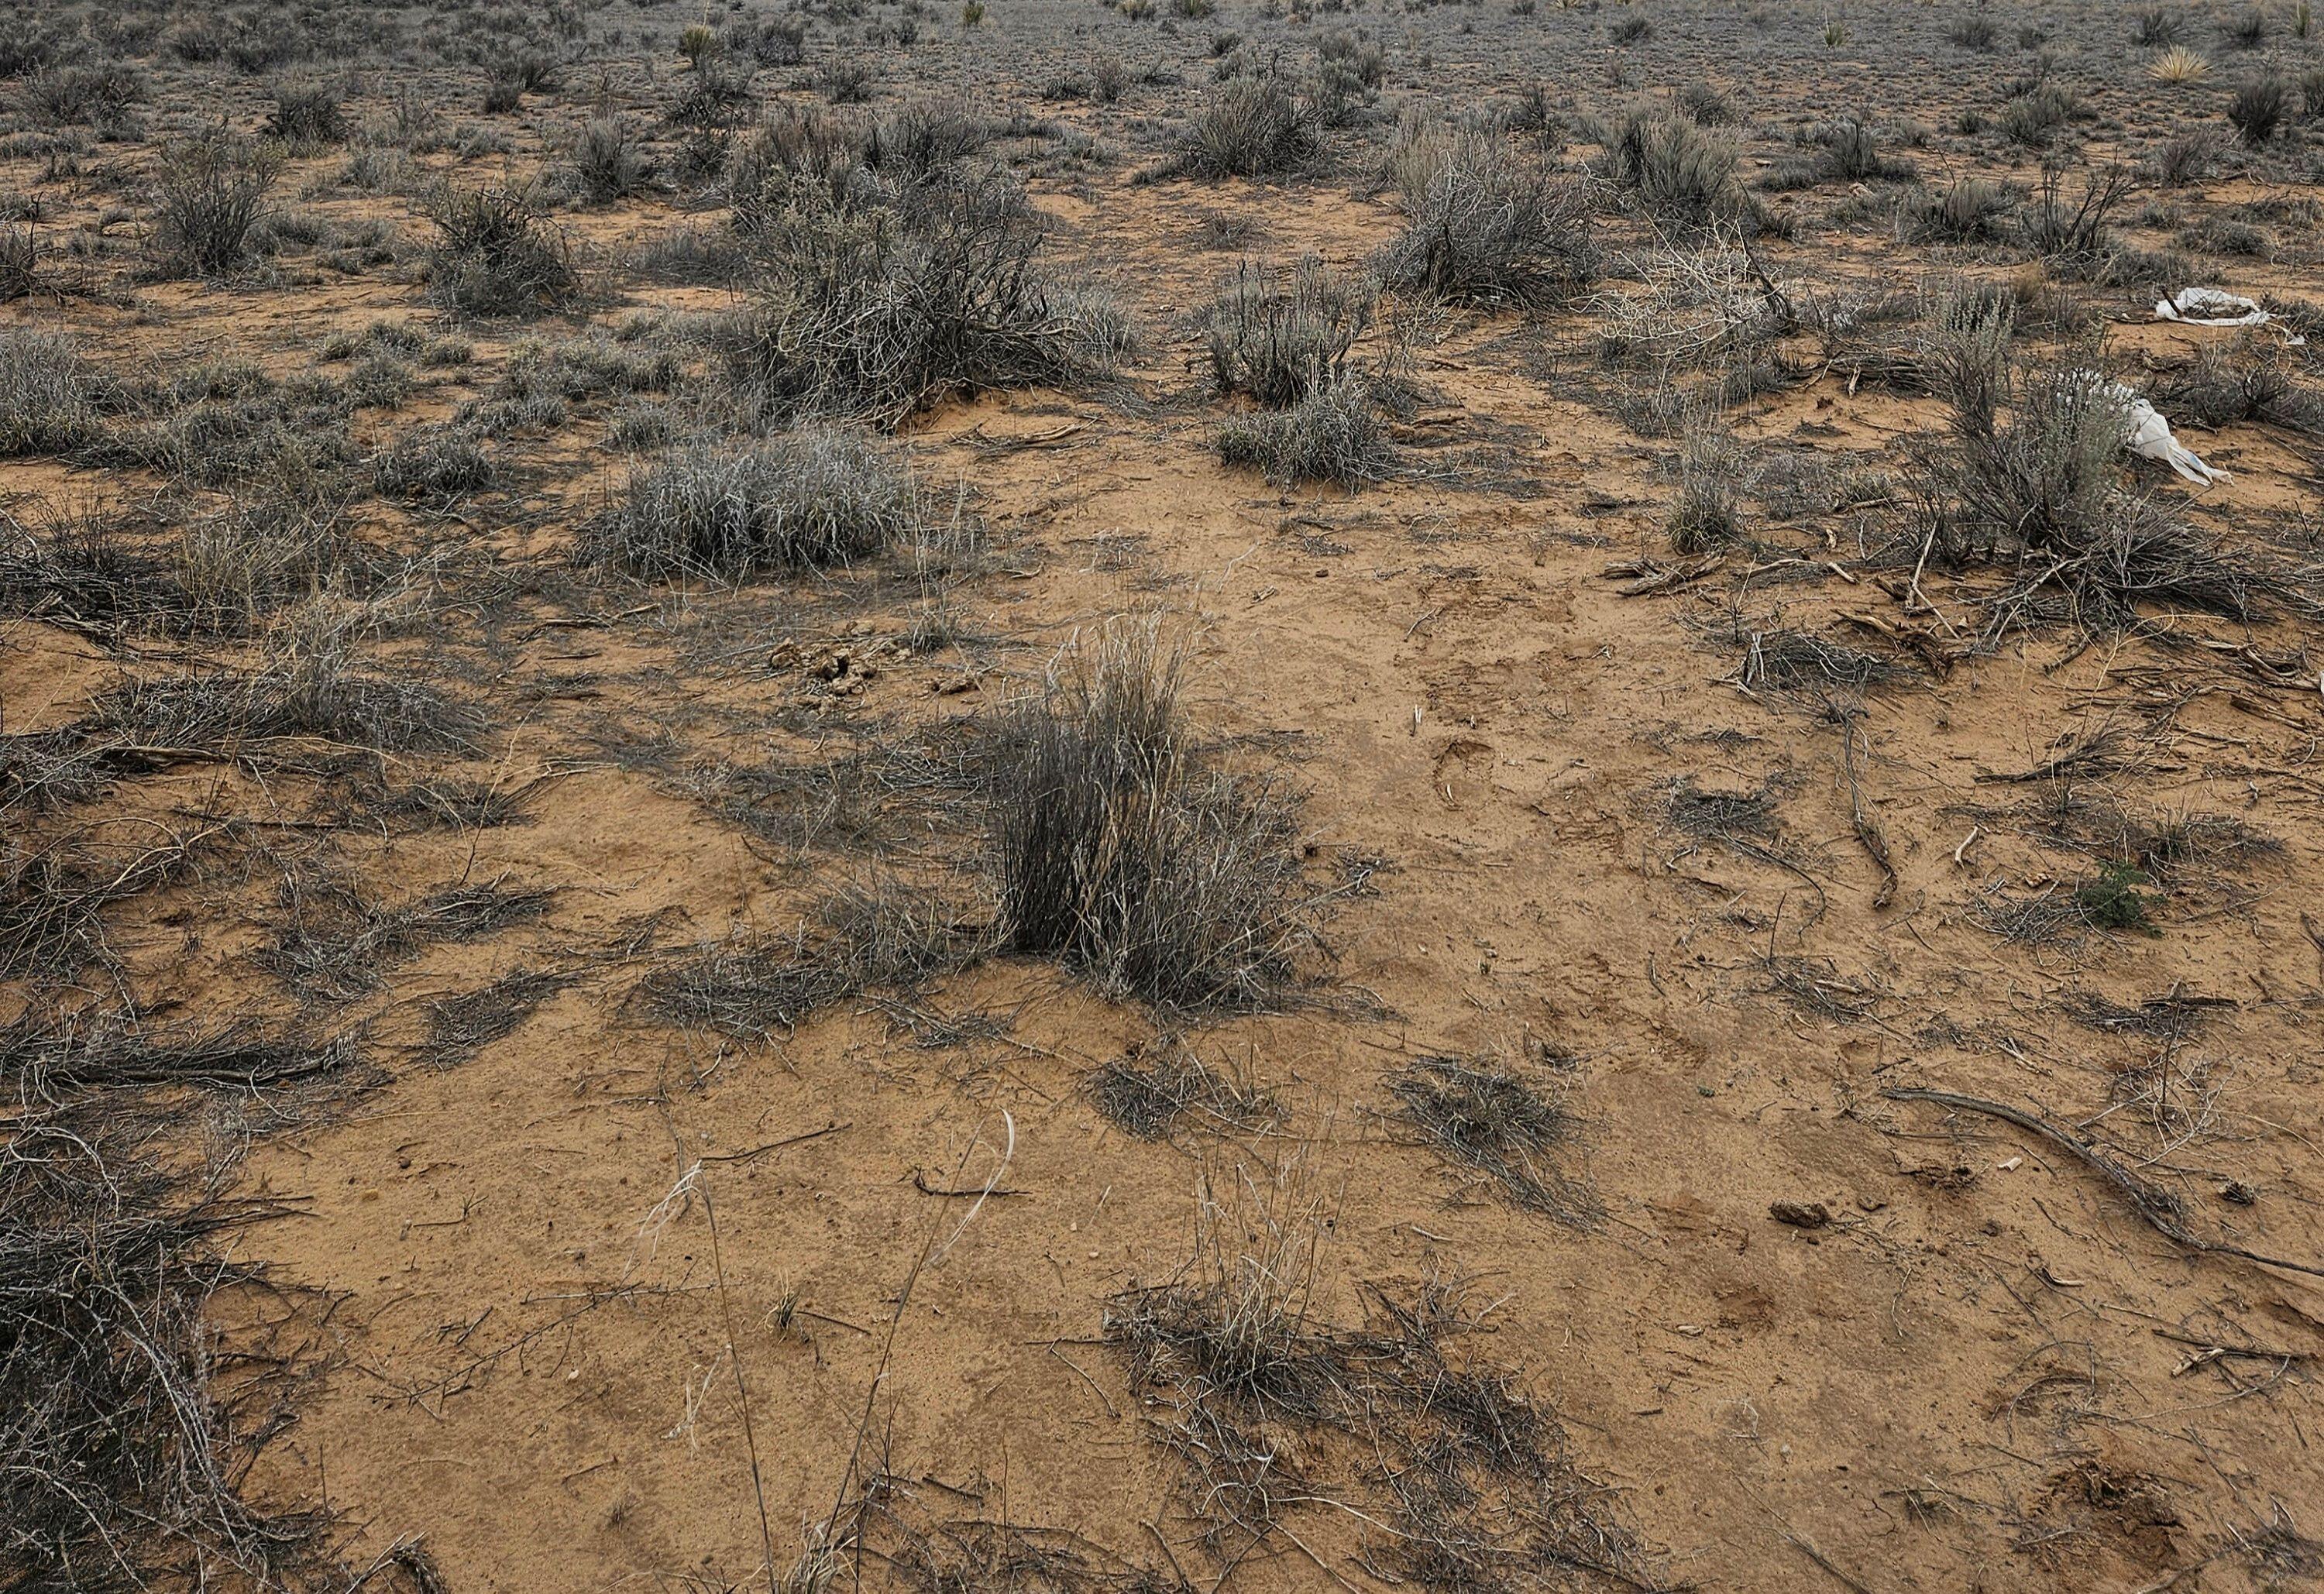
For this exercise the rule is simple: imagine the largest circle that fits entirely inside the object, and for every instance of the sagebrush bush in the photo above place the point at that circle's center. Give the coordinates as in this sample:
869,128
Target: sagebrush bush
609,162
798,148
2034,118
493,255
211,194
1333,434
2033,477
874,309
1485,224
306,116
513,70
1127,856
808,500
1258,124
2187,157
1679,172
925,136
99,94
771,41
1279,336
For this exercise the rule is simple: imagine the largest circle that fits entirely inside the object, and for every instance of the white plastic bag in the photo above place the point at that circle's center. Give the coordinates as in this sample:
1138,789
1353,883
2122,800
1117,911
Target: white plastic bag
2210,306
2149,438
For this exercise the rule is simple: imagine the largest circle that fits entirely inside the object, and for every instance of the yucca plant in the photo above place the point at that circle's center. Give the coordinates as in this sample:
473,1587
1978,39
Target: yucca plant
2180,64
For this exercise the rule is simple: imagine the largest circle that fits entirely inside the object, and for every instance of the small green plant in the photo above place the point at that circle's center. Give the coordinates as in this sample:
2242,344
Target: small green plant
2113,901
1835,33
696,42
972,14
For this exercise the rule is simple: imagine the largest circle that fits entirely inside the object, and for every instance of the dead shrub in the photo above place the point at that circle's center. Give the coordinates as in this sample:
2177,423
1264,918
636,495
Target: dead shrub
1511,1128
1279,336
211,193
124,1433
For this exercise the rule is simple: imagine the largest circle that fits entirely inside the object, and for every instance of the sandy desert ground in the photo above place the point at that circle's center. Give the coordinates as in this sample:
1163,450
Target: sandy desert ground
1055,796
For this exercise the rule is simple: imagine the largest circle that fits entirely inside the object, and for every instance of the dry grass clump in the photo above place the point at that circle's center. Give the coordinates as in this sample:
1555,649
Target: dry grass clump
431,465
493,255
306,116
1127,854
2179,65
1280,336
1257,123
54,893
1149,1090
1485,224
809,499
609,162
882,933
2259,107
1333,434
1707,512
1970,211
1507,1126
77,569
2247,378
458,1027
50,394
1458,1479
56,1064
872,308
334,940
282,535
309,687
123,1432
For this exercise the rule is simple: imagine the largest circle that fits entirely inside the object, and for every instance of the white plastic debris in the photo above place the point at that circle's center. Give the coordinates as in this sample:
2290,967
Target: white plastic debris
2210,306
2149,437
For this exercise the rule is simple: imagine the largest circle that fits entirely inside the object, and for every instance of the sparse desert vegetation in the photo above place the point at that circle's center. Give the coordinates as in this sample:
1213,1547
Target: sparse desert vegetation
1141,796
